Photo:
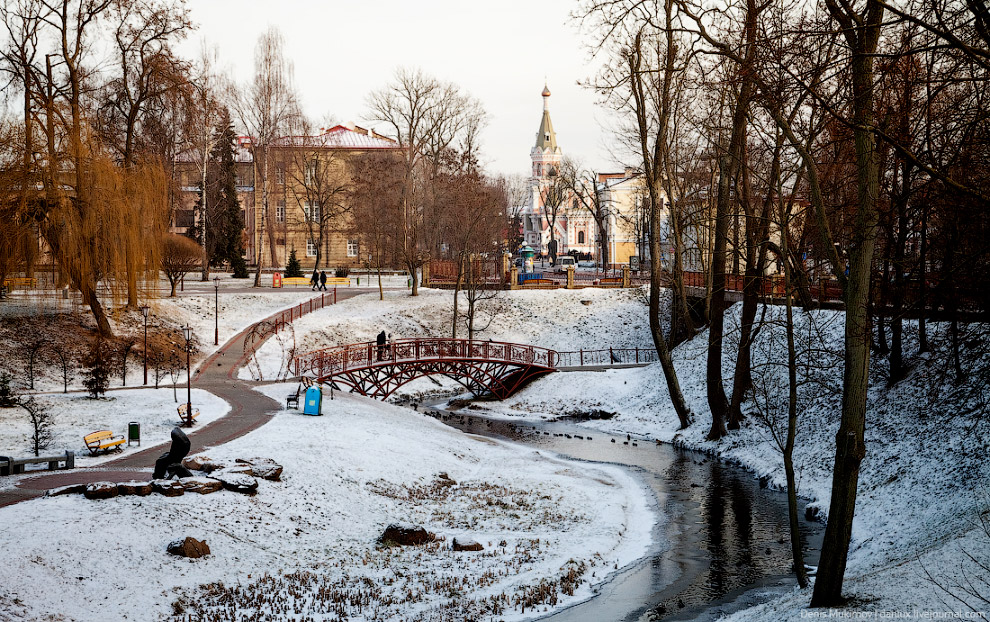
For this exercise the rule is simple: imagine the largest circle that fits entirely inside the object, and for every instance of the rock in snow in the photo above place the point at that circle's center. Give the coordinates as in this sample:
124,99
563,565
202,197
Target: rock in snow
189,547
167,487
237,482
467,544
101,490
406,534
202,485
138,489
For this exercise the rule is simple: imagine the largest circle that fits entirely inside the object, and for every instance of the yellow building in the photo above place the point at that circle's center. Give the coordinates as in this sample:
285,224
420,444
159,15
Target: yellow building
309,179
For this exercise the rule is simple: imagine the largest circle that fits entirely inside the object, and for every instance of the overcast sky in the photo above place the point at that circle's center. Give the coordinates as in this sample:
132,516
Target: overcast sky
498,51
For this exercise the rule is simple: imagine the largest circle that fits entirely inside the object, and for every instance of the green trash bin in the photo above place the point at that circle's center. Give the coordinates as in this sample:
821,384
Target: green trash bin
133,433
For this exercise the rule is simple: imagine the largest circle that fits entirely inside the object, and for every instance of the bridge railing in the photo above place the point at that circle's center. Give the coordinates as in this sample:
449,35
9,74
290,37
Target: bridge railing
608,356
364,355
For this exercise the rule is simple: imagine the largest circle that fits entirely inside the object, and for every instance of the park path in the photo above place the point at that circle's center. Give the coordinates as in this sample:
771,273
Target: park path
249,410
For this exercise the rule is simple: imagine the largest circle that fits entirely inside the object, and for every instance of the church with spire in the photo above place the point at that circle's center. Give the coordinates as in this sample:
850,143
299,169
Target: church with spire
572,230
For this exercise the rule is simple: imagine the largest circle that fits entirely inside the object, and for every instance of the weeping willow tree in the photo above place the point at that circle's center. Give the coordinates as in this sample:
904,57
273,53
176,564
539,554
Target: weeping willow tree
93,226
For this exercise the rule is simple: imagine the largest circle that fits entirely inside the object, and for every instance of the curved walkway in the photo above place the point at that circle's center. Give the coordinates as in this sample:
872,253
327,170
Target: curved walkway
249,410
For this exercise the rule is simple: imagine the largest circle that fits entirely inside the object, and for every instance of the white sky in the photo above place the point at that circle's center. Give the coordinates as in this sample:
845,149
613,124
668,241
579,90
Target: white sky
498,51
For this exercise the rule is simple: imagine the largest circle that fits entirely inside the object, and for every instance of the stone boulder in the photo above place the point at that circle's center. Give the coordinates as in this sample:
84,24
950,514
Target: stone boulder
199,463
406,534
189,547
71,489
168,487
265,468
138,489
237,482
467,544
101,490
201,485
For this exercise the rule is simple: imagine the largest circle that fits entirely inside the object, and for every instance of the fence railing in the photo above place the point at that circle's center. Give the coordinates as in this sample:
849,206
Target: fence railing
608,356
278,322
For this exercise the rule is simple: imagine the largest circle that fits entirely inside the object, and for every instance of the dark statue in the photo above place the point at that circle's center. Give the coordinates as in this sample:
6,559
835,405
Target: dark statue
171,461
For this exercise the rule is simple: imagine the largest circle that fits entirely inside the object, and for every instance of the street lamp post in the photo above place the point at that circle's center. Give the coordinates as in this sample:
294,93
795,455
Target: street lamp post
187,333
216,333
144,311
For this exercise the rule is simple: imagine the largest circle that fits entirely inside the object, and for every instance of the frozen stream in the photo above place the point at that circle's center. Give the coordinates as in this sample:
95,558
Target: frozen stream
719,535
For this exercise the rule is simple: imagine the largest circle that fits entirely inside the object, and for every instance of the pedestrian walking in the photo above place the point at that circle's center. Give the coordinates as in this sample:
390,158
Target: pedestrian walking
323,280
381,345
314,282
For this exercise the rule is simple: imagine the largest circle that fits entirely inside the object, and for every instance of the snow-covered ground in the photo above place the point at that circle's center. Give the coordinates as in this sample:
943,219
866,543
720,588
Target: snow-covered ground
310,540
922,484
74,415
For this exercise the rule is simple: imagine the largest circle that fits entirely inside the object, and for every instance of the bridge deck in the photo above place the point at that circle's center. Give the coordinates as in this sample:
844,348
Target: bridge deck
492,368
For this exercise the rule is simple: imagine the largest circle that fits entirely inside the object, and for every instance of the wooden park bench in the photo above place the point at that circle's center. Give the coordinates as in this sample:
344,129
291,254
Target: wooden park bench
13,466
184,418
18,282
103,440
611,281
539,284
338,280
297,280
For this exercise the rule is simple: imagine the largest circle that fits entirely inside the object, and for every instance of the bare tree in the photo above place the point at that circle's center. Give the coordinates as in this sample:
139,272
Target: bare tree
206,115
267,108
180,256
32,340
555,196
426,116
42,421
583,186
376,197
66,355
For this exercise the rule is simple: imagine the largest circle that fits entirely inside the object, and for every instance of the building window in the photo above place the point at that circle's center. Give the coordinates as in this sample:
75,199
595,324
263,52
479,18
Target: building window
580,237
280,212
312,211
352,248
280,173
310,248
311,169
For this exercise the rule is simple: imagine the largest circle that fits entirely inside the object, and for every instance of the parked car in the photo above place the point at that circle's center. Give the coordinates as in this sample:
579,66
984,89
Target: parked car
563,261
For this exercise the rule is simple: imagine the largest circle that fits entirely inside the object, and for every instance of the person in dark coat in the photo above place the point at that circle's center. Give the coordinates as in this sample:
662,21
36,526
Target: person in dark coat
323,280
315,281
381,345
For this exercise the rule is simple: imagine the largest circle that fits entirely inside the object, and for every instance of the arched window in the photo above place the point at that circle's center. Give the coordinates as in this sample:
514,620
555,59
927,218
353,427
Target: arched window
580,237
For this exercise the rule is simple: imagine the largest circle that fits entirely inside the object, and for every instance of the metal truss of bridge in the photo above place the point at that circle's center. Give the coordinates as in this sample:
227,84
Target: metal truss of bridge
492,369
486,368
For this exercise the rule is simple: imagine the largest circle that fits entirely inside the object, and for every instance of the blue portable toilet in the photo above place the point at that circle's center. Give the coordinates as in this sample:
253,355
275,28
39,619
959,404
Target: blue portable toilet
314,401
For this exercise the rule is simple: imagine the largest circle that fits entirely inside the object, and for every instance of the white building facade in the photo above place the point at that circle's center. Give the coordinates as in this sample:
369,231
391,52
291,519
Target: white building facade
574,228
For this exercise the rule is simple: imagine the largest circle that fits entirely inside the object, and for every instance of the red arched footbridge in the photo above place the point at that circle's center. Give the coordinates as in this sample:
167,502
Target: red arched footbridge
485,368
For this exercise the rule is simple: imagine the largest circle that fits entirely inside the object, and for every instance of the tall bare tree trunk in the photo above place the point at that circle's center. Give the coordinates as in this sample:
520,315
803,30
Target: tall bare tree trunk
792,505
862,32
717,403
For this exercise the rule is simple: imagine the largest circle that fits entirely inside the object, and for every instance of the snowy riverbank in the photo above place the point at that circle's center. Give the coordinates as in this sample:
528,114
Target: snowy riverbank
922,485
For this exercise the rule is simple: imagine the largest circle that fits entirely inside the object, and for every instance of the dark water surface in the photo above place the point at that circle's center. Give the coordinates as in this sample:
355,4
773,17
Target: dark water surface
719,534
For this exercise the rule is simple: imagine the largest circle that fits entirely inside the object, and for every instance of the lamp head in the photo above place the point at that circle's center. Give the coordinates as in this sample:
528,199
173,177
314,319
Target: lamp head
187,332
145,310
